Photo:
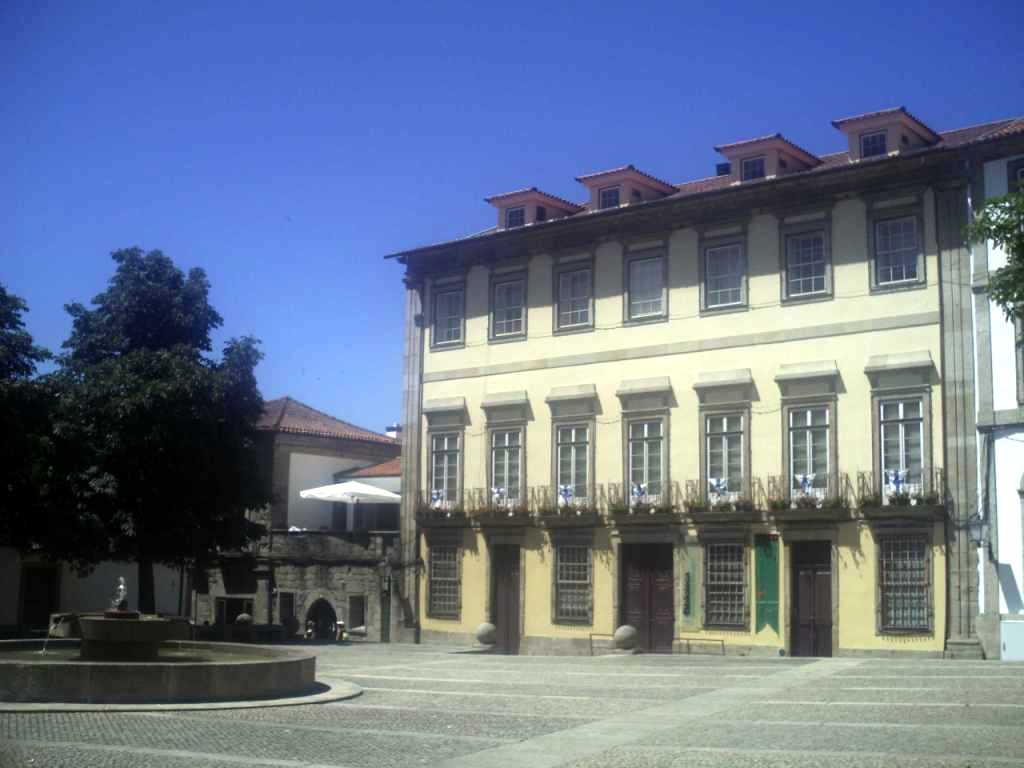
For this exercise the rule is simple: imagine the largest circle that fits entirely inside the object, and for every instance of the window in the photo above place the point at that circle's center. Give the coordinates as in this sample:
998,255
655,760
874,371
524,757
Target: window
608,197
573,455
752,168
444,580
902,435
230,608
356,611
725,585
896,250
572,583
286,612
723,276
646,468
1015,175
724,456
575,292
636,197
515,217
285,607
542,213
646,288
448,317
873,144
506,461
444,469
904,583
507,313
805,264
809,461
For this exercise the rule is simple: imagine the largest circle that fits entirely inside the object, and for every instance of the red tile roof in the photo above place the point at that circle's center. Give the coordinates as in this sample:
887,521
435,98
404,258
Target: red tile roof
808,157
533,190
623,169
960,137
389,468
287,415
878,113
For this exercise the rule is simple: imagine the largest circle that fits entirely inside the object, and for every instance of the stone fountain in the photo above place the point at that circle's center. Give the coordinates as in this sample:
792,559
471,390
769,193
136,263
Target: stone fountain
128,658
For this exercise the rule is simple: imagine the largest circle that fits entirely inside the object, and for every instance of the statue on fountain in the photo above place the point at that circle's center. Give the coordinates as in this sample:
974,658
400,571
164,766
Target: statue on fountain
120,600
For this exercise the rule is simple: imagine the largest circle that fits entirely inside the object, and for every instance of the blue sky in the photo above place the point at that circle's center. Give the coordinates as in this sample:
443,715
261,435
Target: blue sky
286,147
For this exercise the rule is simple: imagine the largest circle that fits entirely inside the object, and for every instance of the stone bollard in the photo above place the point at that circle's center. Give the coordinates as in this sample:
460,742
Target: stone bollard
625,637
486,634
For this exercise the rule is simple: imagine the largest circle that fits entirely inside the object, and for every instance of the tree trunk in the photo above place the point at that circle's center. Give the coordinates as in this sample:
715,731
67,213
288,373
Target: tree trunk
147,598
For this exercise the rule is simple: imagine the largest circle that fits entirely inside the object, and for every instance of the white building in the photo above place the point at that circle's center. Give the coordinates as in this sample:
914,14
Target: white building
1000,419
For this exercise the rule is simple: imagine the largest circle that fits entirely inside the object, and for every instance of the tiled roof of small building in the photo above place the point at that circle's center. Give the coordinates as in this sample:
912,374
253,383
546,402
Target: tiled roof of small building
288,415
389,468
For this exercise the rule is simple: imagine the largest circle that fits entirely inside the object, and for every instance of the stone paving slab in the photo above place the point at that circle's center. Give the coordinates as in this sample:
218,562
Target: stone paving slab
427,706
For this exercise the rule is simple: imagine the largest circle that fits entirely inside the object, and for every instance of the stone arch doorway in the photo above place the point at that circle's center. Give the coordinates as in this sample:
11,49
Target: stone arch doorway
323,618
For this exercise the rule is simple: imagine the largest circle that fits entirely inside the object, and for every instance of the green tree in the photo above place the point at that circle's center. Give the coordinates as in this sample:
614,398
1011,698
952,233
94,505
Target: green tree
155,455
23,421
1002,222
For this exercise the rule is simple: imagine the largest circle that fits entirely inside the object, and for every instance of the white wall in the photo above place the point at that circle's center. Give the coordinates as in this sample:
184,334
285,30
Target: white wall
1009,443
308,471
1009,461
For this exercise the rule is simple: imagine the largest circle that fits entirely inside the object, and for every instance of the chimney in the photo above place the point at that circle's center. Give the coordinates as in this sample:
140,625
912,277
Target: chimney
393,431
723,169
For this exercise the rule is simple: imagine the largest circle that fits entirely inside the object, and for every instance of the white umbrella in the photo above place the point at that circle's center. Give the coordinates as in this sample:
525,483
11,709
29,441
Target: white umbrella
351,492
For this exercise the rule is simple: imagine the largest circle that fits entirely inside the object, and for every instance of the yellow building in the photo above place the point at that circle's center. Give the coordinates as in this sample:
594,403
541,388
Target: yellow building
711,411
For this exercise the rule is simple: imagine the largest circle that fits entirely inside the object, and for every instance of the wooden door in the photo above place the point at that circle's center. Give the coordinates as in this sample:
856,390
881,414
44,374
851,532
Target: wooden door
812,599
648,595
505,597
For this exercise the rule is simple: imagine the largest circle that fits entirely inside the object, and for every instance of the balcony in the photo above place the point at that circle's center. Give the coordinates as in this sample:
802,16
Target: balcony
897,496
762,499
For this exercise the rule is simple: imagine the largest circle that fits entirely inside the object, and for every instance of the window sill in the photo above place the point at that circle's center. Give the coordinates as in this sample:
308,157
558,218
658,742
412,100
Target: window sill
446,347
507,339
568,331
909,285
444,616
808,298
728,627
573,622
922,633
645,320
724,310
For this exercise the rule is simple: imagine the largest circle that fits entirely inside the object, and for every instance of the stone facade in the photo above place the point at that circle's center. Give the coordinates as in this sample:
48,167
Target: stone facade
314,570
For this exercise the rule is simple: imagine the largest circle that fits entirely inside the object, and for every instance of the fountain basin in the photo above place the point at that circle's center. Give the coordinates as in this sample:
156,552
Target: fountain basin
182,672
105,638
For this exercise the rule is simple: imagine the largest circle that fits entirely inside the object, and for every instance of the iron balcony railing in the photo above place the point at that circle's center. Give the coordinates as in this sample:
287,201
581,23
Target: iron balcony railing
770,494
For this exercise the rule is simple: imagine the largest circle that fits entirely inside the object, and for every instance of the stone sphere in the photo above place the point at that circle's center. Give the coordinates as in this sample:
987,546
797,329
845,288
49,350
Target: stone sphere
486,634
625,637
243,619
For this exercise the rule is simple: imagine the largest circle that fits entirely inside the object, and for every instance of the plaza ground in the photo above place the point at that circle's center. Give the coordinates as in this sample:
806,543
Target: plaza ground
426,706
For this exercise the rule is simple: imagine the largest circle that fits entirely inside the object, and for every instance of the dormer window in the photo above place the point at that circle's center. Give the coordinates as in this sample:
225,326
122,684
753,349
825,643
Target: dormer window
868,135
528,206
622,185
752,168
608,197
873,144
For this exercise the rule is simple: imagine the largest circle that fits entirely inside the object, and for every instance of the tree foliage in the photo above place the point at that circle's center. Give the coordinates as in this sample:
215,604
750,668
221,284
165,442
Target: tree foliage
24,408
1001,221
154,454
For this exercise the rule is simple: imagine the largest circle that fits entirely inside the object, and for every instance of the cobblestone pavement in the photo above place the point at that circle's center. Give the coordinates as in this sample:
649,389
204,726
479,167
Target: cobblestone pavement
425,706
